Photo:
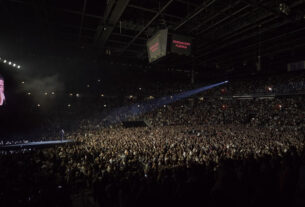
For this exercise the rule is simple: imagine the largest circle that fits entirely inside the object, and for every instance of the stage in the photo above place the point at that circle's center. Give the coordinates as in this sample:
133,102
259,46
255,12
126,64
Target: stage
33,145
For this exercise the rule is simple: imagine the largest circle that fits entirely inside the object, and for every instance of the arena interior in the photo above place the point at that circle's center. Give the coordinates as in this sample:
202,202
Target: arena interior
152,103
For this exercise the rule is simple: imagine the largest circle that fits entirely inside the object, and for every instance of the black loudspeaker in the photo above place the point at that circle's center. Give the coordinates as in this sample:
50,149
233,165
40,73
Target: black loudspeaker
133,124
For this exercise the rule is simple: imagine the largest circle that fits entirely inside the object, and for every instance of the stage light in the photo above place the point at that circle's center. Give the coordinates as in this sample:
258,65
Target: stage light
69,105
53,93
138,106
102,95
164,106
22,82
140,89
77,95
29,93
46,93
124,112
226,81
105,105
88,86
71,94
98,80
10,63
38,105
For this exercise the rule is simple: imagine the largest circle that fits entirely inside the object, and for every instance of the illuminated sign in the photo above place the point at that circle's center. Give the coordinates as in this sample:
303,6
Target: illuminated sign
157,45
154,47
181,45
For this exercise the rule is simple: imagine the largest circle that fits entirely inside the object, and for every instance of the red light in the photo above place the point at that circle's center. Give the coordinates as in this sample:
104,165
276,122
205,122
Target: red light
154,47
183,45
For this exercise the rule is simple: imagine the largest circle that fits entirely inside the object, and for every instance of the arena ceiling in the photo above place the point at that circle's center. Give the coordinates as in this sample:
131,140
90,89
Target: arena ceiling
225,33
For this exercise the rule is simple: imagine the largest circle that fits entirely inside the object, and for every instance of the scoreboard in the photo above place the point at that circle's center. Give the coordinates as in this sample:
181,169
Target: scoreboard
181,45
158,44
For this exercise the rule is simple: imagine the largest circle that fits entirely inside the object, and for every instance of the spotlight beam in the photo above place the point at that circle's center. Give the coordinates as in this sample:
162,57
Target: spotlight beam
125,112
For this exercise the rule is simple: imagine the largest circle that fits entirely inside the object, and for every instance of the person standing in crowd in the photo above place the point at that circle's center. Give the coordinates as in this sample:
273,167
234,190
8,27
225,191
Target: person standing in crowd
62,134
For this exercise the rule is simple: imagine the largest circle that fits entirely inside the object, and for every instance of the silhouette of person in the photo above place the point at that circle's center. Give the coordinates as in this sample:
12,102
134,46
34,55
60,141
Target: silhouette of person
62,133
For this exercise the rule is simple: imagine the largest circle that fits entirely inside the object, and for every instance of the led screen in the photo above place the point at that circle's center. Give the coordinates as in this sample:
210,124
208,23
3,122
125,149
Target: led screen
181,45
2,97
157,45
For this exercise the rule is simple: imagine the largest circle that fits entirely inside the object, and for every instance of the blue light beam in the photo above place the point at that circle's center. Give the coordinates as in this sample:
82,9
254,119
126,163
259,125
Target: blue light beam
125,112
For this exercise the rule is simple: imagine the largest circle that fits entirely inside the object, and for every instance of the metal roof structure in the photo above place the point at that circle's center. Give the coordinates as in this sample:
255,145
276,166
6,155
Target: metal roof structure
225,33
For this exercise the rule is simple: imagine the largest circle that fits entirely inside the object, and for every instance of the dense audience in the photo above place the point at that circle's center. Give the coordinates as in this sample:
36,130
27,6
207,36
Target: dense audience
211,148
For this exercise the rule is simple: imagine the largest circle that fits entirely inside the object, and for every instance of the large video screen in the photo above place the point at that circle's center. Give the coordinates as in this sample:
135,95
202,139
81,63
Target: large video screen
181,45
157,45
2,96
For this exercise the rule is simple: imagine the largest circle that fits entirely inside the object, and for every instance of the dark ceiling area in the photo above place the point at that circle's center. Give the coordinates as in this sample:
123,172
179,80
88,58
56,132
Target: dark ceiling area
225,33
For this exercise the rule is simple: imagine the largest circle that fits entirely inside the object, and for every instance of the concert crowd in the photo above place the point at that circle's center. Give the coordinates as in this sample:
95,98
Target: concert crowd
211,149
